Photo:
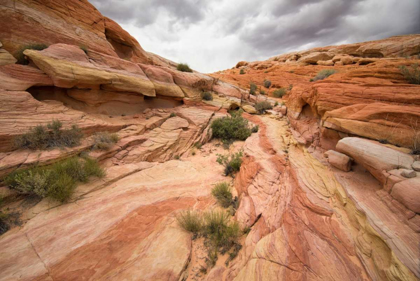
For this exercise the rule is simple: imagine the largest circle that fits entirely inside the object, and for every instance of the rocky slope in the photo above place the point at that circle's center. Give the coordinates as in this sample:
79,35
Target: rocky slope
322,197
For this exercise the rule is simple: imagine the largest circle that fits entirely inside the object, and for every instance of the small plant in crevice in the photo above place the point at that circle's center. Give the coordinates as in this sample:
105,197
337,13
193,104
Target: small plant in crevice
255,129
84,49
279,93
232,163
252,88
20,56
267,83
242,71
323,74
411,75
198,145
173,114
223,194
104,140
50,136
56,181
207,96
184,67
262,106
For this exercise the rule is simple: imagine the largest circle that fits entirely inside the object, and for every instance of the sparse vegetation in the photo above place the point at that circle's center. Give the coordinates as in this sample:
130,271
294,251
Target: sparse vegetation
267,83
104,140
4,227
413,75
252,88
262,106
198,145
206,96
223,194
190,221
50,136
323,74
231,128
20,56
56,181
184,67
242,71
262,92
255,129
279,93
173,114
232,163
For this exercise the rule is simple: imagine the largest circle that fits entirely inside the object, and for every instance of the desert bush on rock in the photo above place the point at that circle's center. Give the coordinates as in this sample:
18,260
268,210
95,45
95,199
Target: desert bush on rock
252,88
223,194
207,96
104,140
184,67
279,93
267,83
232,163
231,128
324,74
262,92
56,181
20,56
255,129
50,136
413,74
190,221
242,71
262,106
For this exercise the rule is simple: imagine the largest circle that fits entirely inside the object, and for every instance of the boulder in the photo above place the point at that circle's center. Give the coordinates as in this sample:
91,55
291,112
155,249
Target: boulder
407,192
326,63
163,81
241,63
249,109
339,160
374,156
408,173
314,57
416,166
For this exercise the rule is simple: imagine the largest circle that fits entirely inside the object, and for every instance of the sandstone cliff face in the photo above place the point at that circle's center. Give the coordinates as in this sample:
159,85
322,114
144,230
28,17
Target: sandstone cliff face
352,215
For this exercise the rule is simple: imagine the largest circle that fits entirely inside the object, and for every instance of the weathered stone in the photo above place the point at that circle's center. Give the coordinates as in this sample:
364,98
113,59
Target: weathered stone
408,173
416,166
408,193
339,160
249,109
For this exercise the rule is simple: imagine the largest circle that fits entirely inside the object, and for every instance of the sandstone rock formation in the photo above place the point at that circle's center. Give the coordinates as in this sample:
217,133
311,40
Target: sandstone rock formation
353,215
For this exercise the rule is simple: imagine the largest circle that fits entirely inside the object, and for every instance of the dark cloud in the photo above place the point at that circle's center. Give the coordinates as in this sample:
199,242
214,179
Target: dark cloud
145,12
231,30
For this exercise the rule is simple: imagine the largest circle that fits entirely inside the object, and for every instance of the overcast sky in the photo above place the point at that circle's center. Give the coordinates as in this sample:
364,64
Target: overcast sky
213,35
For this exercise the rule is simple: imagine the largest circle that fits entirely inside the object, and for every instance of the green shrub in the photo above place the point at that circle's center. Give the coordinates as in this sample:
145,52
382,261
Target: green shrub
267,83
223,194
255,129
198,145
20,56
324,74
262,106
206,96
231,128
262,92
104,140
279,93
242,71
173,114
413,75
184,67
41,137
232,163
190,221
252,88
56,181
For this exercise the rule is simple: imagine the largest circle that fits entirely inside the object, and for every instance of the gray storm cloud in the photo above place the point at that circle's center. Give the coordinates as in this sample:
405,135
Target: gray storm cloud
214,35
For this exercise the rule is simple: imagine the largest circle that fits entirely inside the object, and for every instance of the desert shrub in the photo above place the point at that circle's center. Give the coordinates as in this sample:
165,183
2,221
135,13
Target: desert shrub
184,67
223,194
242,71
324,74
190,221
104,140
198,145
413,75
221,232
262,92
20,56
206,96
173,114
255,129
56,181
262,106
279,93
232,163
252,88
267,83
231,128
50,136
